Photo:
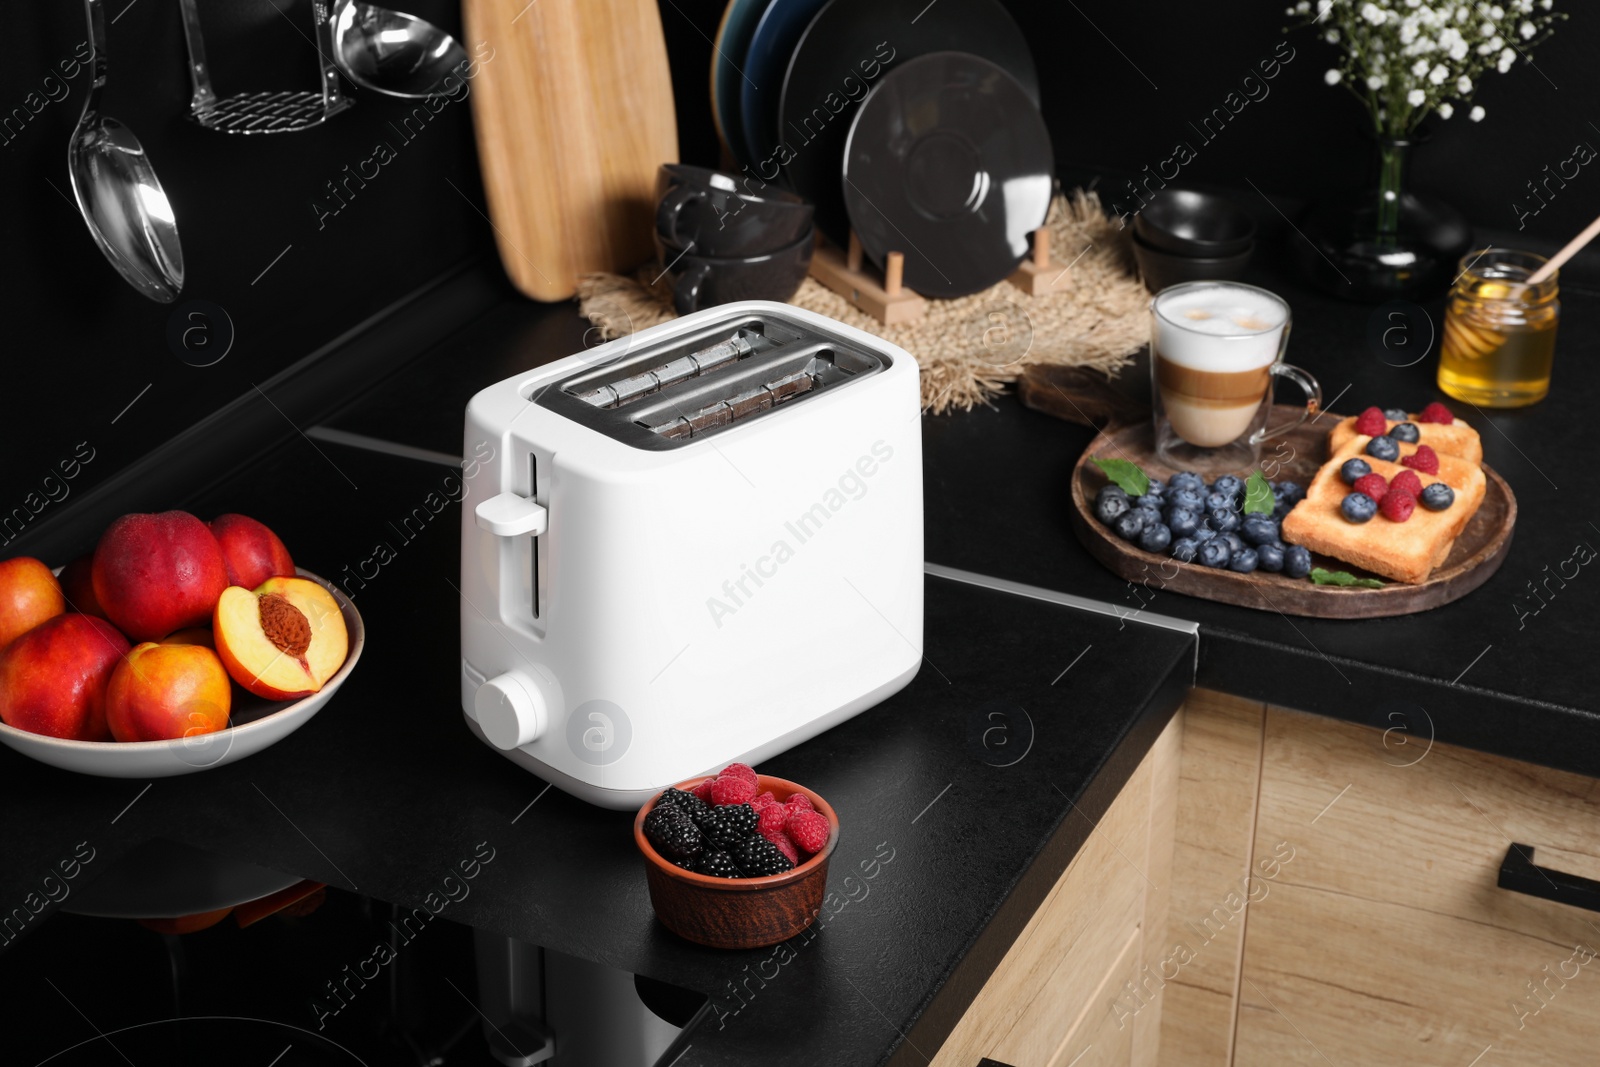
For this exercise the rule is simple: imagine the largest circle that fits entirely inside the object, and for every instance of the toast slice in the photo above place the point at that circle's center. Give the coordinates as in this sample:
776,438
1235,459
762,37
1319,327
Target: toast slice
1404,552
1457,439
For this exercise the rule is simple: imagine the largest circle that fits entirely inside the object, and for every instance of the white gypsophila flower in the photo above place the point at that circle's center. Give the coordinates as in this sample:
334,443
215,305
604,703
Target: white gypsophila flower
1323,7
1438,74
1415,97
1332,77
1476,114
1507,58
1527,30
1497,12
1374,82
1408,32
1373,14
1459,50
1420,67
1463,85
1445,110
1486,30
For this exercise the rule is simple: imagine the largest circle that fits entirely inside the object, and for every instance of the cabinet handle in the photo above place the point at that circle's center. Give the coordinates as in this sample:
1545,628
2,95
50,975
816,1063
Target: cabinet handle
1519,874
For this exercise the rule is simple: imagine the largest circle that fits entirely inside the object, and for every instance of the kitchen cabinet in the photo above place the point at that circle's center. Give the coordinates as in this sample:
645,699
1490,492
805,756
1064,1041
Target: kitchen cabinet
1052,998
1373,930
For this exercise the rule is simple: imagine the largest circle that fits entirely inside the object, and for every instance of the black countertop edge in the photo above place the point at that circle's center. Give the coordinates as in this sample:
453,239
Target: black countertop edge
960,986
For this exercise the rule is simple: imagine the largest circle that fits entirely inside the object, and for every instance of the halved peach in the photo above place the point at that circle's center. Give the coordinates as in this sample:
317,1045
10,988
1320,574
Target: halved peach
283,640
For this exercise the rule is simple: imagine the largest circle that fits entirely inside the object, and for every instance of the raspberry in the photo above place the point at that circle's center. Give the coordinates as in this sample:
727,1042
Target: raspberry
1408,481
1371,422
673,833
726,828
1424,459
764,801
1436,412
1373,485
785,846
758,857
809,829
703,790
741,770
798,800
1397,506
731,790
772,820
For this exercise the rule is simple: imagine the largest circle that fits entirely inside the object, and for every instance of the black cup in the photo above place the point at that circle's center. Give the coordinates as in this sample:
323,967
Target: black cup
726,214
1161,269
706,281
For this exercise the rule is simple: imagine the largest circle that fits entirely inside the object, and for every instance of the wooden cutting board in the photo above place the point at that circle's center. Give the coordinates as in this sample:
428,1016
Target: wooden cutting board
574,113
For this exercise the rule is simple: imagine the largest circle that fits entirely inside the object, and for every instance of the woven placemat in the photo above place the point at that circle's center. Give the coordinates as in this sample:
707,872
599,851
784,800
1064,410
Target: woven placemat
969,348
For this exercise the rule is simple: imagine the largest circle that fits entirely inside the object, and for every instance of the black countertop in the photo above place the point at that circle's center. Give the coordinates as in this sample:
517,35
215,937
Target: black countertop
385,790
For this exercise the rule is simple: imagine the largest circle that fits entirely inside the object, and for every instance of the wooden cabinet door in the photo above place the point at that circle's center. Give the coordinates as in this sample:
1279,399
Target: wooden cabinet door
1384,938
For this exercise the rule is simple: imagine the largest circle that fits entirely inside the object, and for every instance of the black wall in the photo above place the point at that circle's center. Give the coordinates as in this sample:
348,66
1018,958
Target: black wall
1121,81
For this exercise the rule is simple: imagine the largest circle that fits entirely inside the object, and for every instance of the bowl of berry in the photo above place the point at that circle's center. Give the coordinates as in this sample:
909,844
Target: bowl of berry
736,859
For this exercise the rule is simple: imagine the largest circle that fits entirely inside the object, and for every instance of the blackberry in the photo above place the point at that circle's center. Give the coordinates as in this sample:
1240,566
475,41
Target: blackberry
727,826
673,833
687,803
758,857
716,864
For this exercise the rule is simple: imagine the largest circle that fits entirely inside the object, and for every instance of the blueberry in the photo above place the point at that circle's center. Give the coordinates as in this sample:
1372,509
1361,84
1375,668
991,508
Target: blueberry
1223,520
1157,487
1183,522
1224,501
1438,496
1270,557
1406,432
1235,542
1151,513
1204,533
1297,561
1280,509
1229,484
1244,561
1187,480
1396,414
1155,538
1258,530
1290,491
1186,498
1130,525
1215,553
1185,549
1383,447
1109,507
1353,469
1359,507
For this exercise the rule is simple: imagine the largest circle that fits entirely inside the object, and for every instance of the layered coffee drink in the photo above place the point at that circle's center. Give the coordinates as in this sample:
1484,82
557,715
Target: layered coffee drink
1212,352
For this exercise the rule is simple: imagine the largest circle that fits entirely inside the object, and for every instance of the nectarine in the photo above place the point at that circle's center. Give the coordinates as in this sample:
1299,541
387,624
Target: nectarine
283,640
154,574
251,552
194,635
77,585
159,692
53,678
29,594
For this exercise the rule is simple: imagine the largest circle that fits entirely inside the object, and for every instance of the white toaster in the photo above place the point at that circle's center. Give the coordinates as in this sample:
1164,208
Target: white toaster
698,544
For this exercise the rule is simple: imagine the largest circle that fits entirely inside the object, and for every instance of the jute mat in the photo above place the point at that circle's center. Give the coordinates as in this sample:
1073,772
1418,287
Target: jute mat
969,348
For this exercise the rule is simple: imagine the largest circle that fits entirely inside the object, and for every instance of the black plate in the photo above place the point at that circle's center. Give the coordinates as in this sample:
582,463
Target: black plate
846,51
949,162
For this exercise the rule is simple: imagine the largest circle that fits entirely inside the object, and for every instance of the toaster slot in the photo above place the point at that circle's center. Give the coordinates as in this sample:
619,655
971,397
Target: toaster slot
708,378
533,542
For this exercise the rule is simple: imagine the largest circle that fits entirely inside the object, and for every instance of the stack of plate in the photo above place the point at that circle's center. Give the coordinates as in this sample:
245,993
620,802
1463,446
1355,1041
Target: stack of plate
914,124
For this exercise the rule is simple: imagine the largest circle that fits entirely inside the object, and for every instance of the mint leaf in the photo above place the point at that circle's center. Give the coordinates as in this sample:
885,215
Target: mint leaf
1257,495
1126,474
1327,577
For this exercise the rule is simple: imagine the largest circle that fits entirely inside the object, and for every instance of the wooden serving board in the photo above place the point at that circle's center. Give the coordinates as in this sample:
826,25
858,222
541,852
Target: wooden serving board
1297,456
573,113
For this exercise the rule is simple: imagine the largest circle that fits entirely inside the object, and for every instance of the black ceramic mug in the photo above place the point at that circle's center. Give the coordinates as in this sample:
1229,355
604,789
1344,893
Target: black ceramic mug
725,214
705,281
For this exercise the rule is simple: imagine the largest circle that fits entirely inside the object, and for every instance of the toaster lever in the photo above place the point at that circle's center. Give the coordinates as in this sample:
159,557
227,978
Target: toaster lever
510,515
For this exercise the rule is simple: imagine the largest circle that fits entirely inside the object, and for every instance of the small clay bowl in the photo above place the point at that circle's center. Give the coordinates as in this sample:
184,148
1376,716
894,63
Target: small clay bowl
738,912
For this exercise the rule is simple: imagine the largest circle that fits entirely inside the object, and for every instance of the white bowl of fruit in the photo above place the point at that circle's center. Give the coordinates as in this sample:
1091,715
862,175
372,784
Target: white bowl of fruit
175,647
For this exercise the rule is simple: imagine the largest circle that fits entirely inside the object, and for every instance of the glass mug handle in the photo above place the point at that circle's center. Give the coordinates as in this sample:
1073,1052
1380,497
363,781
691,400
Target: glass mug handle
1313,393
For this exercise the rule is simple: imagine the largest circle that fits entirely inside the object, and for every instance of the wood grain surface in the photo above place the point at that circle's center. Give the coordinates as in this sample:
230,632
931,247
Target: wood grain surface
573,111
1476,555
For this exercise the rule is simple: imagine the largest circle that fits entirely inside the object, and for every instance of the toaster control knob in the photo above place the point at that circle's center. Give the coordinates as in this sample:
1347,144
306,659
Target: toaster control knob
511,710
